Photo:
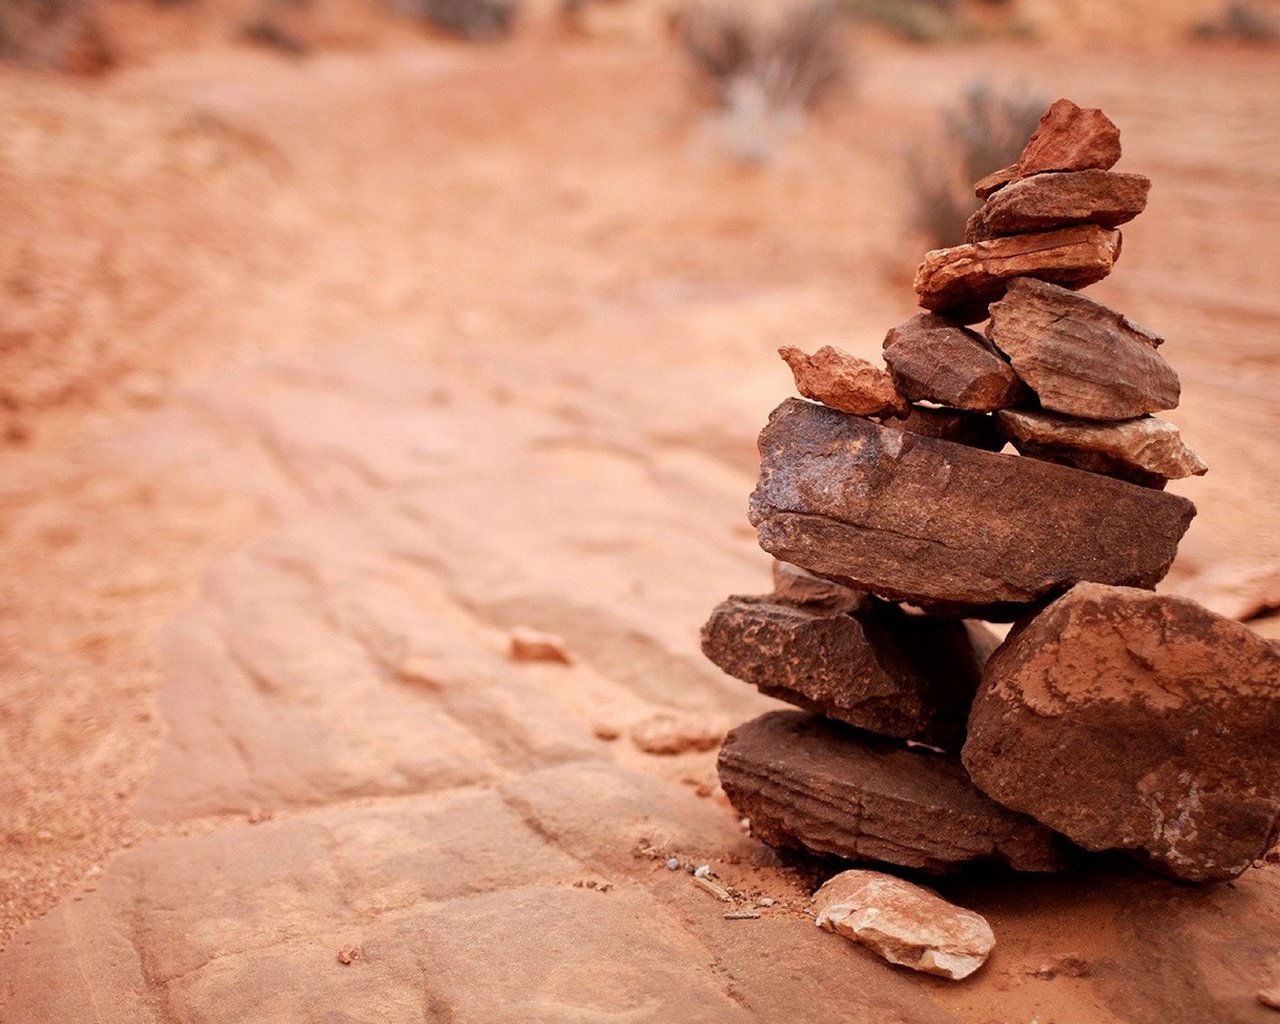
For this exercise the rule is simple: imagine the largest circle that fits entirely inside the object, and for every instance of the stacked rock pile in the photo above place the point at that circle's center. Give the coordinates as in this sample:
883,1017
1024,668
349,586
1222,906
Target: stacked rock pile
1111,717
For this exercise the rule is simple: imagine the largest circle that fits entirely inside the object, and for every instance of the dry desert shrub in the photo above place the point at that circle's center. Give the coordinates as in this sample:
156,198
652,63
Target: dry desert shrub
921,21
59,34
476,20
1243,21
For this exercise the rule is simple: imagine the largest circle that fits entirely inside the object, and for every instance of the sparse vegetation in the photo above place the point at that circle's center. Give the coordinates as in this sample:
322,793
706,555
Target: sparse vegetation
1242,21
61,34
985,132
477,20
921,21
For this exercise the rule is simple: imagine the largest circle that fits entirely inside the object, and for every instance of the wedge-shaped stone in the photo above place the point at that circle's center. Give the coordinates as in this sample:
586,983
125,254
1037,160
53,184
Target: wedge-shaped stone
935,360
945,526
1071,138
809,784
1144,451
844,382
963,280
1048,201
880,668
793,585
1137,721
1080,357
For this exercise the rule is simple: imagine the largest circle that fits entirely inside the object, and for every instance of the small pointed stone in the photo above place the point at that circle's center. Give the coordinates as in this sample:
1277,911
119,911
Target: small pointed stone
995,181
1071,138
1048,201
845,382
793,585
934,360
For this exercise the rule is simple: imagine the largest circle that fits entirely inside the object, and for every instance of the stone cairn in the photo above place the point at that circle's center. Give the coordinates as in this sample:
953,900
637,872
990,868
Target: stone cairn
1111,717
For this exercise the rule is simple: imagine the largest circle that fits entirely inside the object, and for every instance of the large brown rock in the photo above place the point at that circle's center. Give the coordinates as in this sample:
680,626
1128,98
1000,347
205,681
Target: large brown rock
1071,138
1144,451
845,382
1080,357
1047,201
962,280
809,784
1138,721
945,526
935,360
880,668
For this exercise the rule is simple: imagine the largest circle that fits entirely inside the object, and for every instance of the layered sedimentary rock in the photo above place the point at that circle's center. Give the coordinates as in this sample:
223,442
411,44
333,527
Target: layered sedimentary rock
809,784
1071,138
1048,201
845,382
1131,720
945,526
934,360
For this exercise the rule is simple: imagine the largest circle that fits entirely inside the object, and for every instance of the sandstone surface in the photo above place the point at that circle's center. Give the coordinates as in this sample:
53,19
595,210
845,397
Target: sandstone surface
1048,201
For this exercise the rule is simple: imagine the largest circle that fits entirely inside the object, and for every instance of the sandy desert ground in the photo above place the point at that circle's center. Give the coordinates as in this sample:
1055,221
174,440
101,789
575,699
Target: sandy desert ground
321,376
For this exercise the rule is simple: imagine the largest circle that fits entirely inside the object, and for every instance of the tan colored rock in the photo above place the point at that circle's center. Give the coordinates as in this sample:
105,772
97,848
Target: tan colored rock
676,732
1079,357
533,645
1137,721
844,382
905,923
934,360
962,280
793,585
1144,451
1071,138
1048,201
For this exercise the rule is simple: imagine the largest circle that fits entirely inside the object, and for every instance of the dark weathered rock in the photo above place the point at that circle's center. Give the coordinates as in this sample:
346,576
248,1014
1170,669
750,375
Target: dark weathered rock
935,360
1137,721
809,784
793,585
1048,201
963,280
882,669
977,430
945,526
844,382
1080,357
1144,451
1071,138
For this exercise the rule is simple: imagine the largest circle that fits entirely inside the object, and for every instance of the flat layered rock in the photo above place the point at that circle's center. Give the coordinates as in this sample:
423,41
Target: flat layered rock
905,923
945,526
882,669
793,585
977,430
809,784
935,360
989,184
1048,201
1144,451
962,280
1071,138
845,382
1080,357
1131,720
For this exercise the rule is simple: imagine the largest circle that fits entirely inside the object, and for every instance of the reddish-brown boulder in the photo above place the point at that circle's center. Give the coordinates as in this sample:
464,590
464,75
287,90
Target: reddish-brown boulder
806,783
844,382
1080,357
1048,201
1131,720
935,360
1071,138
945,526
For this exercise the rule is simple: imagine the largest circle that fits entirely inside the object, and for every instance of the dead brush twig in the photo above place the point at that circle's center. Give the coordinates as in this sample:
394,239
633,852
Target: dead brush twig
1242,21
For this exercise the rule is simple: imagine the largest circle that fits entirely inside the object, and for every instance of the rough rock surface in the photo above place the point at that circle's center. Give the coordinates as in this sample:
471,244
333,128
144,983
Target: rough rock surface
797,586
810,784
844,382
1080,357
977,430
1145,450
1048,201
905,923
1126,719
938,524
882,669
935,360
989,184
1071,138
962,280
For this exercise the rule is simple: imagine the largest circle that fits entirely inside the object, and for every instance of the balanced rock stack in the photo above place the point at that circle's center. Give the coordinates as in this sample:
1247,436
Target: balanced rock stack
1111,717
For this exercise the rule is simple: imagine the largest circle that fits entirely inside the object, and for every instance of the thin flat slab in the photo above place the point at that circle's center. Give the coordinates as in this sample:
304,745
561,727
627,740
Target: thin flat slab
809,784
935,360
1139,721
793,585
1079,357
946,526
1045,202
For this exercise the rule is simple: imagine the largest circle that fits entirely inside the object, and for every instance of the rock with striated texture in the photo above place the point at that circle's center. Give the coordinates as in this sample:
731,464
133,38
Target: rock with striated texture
1080,357
1071,138
1131,720
1048,201
935,360
809,784
905,923
882,669
944,526
963,280
977,430
989,184
793,585
844,382
1144,451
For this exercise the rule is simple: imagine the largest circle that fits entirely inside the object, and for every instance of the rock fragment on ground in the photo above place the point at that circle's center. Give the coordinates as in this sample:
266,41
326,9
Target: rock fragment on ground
1048,201
905,923
1137,721
1071,138
934,360
1079,357
1146,450
809,784
961,281
533,645
844,382
941,525
793,585
676,732
880,668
